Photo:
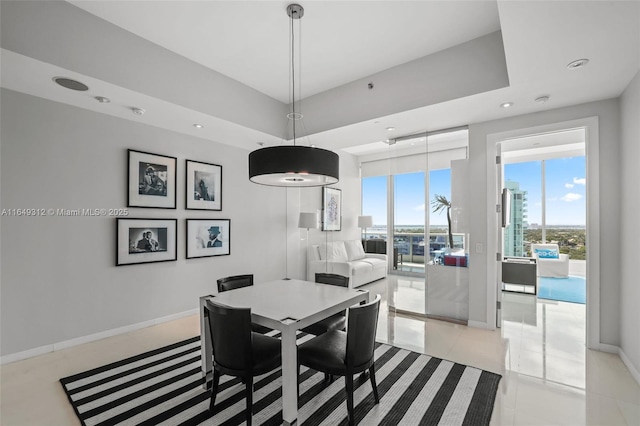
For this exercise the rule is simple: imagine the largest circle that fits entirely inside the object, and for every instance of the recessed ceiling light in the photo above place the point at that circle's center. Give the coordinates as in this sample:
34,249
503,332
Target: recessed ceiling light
198,126
138,111
542,99
69,83
506,105
391,128
102,99
578,63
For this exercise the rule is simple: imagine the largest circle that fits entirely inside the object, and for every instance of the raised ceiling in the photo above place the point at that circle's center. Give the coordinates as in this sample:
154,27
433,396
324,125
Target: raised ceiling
224,64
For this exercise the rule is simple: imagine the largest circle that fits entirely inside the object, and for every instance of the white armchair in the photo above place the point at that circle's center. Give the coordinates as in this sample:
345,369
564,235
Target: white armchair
551,263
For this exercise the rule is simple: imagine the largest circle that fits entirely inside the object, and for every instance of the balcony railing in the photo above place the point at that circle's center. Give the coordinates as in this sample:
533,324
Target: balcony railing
411,246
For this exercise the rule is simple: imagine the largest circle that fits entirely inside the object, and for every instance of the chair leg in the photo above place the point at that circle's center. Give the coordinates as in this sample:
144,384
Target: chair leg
372,376
249,390
214,388
348,379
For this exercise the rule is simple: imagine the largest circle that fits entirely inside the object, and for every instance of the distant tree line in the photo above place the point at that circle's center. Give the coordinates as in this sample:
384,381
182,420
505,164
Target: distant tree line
571,241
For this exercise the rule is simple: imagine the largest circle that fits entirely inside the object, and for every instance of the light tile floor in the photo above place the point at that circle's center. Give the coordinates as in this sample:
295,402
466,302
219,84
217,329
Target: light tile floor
549,378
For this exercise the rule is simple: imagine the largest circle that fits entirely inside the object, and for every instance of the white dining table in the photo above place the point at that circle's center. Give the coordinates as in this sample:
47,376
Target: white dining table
287,306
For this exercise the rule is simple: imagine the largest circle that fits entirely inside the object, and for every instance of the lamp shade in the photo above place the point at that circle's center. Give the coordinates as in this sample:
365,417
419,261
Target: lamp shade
365,221
294,165
308,220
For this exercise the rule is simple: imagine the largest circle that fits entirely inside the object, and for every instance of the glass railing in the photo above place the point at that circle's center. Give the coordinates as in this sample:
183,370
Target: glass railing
410,247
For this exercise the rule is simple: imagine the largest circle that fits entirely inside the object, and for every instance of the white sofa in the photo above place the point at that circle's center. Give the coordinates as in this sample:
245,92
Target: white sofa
549,266
347,258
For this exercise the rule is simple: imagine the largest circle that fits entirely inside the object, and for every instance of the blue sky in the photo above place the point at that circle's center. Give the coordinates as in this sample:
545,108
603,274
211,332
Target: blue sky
566,190
409,194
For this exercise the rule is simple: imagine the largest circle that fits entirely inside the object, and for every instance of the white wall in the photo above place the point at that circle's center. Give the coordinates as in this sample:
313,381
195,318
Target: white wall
609,136
58,276
630,230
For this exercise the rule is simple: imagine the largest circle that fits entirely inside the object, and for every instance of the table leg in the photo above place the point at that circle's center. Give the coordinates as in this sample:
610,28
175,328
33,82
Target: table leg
207,347
289,376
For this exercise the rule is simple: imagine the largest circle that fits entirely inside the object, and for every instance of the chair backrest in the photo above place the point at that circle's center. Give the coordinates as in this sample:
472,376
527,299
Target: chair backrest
361,334
333,279
236,281
230,330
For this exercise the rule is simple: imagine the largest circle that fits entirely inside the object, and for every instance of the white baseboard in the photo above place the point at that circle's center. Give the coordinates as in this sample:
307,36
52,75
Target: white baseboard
625,359
612,349
6,359
478,324
632,369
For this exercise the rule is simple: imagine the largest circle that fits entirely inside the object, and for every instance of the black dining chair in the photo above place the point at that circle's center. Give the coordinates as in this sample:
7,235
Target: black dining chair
236,281
339,353
336,321
239,281
239,352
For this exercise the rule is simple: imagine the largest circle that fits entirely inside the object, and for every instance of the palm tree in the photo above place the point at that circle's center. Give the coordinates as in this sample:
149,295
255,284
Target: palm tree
439,203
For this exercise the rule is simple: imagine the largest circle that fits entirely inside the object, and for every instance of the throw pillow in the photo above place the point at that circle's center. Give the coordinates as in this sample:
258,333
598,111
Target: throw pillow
355,250
546,253
334,252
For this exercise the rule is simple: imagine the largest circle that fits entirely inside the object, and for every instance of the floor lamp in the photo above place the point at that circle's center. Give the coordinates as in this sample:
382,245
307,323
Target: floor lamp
309,221
365,222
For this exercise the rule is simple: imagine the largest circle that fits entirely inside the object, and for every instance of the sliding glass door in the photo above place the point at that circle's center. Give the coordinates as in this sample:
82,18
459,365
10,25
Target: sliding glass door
374,204
421,186
409,218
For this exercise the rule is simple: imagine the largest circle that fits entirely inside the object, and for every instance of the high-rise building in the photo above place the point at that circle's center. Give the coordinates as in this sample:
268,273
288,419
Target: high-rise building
514,233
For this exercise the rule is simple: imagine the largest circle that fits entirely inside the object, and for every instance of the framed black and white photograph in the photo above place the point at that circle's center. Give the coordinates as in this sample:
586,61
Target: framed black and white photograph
145,240
331,209
204,186
151,180
208,237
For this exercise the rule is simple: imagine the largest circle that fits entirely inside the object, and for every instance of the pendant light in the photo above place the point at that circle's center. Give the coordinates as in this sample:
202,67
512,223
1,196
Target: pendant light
294,165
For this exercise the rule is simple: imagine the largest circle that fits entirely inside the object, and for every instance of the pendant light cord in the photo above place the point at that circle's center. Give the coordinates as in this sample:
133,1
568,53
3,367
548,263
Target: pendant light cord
293,80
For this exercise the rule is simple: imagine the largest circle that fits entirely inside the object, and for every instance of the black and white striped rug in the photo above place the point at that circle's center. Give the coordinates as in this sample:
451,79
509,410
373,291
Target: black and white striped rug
164,386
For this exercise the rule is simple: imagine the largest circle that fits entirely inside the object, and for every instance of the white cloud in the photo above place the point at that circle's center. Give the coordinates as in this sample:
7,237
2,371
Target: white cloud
570,197
420,208
568,185
580,181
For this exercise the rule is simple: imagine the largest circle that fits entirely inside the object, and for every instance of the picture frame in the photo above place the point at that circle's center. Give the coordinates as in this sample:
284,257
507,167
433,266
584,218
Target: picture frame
203,186
331,209
145,240
151,180
208,237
